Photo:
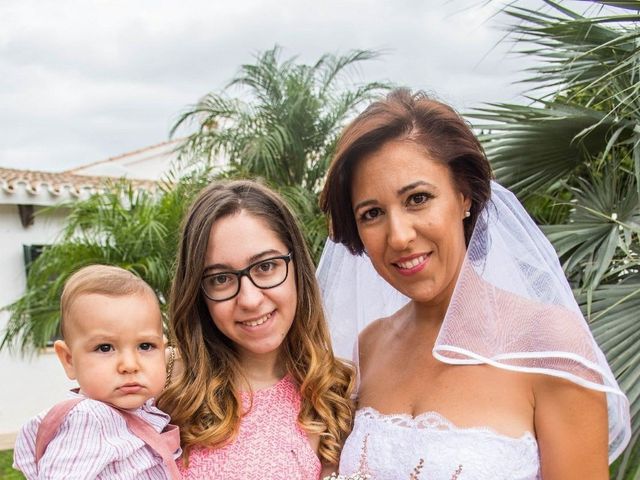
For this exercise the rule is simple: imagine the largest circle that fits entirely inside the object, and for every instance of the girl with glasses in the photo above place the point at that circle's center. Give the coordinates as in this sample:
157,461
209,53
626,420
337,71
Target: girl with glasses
259,393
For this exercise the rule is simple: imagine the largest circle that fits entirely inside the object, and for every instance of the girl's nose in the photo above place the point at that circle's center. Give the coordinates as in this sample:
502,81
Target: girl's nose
249,295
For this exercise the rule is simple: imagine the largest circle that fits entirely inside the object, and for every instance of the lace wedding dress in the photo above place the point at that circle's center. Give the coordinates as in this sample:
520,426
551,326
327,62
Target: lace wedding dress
429,447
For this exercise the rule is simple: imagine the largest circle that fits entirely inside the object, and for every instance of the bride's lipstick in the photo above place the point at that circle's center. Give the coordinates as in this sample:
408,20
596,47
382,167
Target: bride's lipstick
412,264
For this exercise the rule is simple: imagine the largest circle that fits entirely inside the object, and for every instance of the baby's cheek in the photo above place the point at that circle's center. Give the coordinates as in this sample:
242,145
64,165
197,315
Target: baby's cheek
157,374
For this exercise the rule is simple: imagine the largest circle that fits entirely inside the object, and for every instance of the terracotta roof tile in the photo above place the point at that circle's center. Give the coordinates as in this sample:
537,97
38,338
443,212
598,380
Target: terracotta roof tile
51,184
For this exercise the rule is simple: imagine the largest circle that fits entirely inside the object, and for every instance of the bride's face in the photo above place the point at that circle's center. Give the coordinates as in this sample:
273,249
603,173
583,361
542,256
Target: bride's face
410,215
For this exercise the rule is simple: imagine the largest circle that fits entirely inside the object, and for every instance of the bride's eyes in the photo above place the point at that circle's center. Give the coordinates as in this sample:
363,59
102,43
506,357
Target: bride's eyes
419,198
414,200
370,214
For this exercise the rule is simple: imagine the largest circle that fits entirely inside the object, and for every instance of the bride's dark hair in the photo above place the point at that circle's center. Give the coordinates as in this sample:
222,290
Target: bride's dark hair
403,115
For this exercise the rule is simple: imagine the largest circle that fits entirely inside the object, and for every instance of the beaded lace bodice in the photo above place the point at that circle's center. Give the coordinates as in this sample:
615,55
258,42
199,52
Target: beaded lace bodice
270,444
429,447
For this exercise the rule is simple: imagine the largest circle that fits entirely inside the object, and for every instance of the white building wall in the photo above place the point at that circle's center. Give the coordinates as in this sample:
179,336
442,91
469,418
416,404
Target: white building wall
151,163
132,170
28,385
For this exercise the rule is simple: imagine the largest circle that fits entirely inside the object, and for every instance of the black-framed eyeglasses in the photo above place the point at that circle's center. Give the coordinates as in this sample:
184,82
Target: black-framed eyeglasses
267,273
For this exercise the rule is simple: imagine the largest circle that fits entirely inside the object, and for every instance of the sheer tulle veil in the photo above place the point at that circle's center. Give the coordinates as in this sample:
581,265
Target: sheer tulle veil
512,308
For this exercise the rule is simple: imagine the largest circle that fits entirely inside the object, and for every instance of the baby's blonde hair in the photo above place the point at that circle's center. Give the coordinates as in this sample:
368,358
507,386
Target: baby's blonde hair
101,280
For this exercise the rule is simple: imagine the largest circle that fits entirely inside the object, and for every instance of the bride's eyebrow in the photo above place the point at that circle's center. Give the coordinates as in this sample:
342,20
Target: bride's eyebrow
411,186
364,203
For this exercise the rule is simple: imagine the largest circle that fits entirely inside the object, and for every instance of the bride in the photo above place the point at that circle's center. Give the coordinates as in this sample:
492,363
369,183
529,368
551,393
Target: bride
480,364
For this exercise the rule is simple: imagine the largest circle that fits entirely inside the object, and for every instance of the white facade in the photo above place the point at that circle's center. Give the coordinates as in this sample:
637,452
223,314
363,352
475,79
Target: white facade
149,163
29,384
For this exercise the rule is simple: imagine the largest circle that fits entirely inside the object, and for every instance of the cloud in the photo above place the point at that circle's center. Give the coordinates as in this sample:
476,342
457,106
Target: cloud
87,80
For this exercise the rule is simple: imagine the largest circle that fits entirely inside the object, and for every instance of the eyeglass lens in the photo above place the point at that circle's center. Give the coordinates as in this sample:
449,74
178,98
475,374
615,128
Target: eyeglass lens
268,273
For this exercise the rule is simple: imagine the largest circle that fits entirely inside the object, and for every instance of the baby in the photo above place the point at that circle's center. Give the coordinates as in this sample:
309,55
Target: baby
113,347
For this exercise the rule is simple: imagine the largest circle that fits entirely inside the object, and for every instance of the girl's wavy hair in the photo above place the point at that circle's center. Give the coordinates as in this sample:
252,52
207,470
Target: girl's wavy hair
204,401
403,115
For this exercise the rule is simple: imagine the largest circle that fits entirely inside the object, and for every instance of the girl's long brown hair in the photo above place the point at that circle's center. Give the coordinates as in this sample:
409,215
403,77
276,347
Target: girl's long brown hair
204,401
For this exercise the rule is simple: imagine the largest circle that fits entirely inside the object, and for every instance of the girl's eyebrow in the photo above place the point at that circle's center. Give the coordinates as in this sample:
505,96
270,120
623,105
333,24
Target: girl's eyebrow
250,260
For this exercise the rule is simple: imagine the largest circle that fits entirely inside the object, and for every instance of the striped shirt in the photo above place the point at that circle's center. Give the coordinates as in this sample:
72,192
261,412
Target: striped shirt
92,442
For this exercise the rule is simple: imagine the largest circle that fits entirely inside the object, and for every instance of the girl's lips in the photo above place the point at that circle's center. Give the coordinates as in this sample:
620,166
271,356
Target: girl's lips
411,266
256,323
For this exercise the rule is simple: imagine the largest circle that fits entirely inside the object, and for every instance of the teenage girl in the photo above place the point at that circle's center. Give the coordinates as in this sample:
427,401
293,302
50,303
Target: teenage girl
258,394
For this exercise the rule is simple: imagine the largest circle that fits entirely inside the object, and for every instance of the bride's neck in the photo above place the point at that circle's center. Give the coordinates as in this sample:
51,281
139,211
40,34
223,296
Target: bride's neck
429,314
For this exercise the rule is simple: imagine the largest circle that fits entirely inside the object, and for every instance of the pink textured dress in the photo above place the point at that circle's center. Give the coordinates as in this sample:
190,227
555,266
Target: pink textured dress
270,444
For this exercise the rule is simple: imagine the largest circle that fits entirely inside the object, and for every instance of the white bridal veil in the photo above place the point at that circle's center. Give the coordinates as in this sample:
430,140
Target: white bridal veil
512,308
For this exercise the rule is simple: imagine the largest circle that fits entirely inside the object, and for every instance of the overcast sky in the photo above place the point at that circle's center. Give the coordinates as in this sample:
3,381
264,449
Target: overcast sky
81,81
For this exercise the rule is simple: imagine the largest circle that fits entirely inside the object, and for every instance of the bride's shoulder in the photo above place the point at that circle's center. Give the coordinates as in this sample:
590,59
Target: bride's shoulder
378,332
371,333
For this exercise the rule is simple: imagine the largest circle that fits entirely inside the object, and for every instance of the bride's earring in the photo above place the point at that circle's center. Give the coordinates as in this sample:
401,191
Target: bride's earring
467,214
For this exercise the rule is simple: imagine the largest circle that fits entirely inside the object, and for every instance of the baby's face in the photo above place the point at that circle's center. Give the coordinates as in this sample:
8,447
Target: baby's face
116,348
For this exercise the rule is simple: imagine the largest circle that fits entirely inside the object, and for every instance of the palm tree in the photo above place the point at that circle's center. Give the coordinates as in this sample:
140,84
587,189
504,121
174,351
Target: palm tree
284,126
284,131
136,230
573,157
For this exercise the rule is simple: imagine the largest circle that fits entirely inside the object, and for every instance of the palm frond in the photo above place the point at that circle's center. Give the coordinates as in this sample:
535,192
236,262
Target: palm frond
574,156
583,54
626,4
135,230
532,147
286,129
603,220
614,321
